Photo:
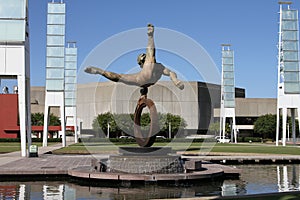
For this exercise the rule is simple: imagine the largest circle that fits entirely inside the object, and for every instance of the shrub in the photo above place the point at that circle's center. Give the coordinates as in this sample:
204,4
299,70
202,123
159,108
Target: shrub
123,123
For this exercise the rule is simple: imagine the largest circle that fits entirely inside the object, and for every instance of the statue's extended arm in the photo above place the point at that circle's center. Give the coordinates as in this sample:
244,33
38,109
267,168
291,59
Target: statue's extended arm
150,50
173,77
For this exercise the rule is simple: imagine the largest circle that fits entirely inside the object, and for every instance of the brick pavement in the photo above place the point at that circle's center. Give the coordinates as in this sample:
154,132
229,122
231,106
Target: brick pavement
14,164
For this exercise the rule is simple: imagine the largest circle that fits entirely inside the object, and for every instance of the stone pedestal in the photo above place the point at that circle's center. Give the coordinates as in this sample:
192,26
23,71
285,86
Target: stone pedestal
148,160
146,164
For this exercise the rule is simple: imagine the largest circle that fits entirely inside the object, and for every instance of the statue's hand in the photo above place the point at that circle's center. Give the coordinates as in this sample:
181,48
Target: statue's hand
180,85
93,70
150,30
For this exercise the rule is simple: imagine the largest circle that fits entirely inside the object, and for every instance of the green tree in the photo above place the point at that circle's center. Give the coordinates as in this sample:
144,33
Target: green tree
123,123
100,124
176,121
265,126
37,119
214,128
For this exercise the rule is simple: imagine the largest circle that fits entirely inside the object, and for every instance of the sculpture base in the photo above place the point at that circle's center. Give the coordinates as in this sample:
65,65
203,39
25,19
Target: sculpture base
145,160
137,164
166,164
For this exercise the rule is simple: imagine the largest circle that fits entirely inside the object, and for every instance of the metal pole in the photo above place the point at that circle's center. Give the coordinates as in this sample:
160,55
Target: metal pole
170,130
108,126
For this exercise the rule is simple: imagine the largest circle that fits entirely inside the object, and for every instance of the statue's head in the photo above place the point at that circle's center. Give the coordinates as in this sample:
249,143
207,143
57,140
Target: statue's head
141,59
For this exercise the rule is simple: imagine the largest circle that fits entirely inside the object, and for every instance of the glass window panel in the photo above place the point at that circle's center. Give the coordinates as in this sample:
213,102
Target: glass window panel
70,102
293,55
228,75
291,77
228,89
70,95
228,67
72,51
291,66
228,82
70,65
228,60
12,9
55,62
71,58
12,30
228,96
227,53
292,88
289,25
56,8
54,84
290,45
70,86
289,35
70,79
55,73
56,19
70,72
55,51
229,104
55,29
56,40
289,14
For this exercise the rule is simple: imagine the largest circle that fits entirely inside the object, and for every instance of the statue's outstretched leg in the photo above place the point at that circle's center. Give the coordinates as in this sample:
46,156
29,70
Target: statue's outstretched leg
109,75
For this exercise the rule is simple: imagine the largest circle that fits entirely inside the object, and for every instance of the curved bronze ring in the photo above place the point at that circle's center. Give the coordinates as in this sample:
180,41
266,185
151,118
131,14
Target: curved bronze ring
148,140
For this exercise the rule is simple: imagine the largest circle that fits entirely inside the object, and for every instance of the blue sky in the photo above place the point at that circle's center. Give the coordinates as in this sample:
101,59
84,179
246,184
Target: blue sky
250,26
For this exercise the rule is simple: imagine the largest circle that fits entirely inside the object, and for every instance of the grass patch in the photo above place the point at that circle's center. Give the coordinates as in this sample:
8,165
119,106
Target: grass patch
7,147
254,148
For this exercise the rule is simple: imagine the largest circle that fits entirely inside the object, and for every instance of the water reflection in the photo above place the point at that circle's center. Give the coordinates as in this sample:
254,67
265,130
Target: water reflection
254,179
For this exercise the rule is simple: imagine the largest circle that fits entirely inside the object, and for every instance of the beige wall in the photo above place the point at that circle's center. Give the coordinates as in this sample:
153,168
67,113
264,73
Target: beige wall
96,98
252,107
38,101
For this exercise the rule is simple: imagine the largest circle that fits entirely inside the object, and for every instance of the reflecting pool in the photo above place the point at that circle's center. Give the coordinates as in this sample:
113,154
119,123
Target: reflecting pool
254,179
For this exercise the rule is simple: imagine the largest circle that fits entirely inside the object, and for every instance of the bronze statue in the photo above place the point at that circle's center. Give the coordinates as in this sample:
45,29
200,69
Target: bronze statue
150,73
151,70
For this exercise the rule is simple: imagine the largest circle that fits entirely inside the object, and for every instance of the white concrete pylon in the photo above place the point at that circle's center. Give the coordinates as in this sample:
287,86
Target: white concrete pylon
288,91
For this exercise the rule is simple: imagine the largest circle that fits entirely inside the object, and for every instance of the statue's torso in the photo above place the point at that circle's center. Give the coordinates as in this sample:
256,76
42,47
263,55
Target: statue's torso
150,74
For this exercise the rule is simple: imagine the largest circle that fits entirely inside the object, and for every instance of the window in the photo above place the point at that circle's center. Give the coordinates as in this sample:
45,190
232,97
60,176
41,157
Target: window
289,14
228,61
56,8
55,29
12,30
13,9
289,25
55,51
54,84
55,73
55,62
228,75
56,19
55,40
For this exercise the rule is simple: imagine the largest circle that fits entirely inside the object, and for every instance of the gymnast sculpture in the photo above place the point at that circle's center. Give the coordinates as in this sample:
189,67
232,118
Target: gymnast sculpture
151,70
150,73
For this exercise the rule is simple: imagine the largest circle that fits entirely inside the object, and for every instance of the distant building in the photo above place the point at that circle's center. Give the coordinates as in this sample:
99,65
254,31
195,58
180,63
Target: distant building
196,103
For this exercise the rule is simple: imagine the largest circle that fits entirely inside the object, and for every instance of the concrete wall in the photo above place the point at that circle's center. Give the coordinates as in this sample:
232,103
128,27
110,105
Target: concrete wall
252,107
96,98
38,101
195,103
